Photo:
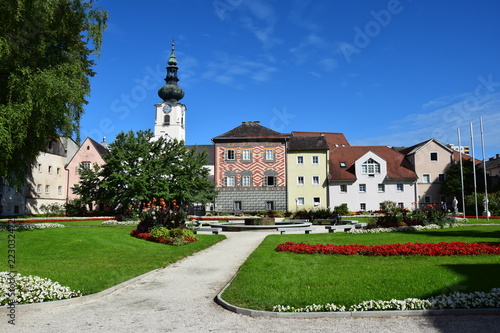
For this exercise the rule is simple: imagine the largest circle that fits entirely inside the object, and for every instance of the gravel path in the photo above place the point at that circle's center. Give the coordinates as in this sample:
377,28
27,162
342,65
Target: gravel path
179,298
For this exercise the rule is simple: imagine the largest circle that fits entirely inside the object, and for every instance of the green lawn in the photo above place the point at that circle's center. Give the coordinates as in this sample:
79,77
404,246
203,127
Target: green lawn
270,278
91,259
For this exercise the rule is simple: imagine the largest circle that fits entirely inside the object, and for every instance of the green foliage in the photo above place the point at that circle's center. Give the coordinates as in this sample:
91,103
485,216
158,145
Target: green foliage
75,208
452,187
159,231
342,209
396,217
139,169
52,209
493,204
46,50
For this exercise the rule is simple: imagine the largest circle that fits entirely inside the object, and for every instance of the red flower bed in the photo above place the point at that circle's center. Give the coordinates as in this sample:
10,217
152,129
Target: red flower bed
408,249
162,240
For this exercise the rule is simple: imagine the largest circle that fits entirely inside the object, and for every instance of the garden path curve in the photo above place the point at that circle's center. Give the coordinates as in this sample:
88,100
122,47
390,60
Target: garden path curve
180,298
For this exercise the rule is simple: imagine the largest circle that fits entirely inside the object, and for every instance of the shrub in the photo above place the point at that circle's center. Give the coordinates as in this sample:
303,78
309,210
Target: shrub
159,231
342,209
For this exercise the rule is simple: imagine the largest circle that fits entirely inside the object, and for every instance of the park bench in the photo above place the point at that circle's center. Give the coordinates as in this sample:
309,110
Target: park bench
284,230
214,231
335,228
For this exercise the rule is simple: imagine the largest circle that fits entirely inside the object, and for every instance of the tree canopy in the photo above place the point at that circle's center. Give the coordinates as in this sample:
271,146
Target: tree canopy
452,184
46,50
138,168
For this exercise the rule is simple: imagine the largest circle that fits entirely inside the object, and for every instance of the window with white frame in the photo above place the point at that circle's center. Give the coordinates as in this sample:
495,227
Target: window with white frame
381,187
237,205
426,178
269,155
39,188
229,181
85,165
269,205
362,187
246,155
316,201
300,160
315,159
47,189
400,187
300,201
315,180
343,188
246,181
300,180
362,206
229,155
434,156
370,167
59,190
401,205
39,167
441,177
50,169
58,171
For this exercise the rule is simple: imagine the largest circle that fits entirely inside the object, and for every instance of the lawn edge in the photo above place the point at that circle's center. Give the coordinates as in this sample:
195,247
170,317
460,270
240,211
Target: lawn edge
348,314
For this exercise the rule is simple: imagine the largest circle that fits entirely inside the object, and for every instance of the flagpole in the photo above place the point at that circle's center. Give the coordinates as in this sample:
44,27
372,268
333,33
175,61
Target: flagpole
484,170
461,171
474,168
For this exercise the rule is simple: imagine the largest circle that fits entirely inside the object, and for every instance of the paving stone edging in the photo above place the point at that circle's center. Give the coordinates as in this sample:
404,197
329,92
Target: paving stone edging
349,314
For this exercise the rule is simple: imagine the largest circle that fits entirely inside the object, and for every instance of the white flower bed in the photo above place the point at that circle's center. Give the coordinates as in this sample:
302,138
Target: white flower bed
115,222
455,300
403,229
29,226
31,289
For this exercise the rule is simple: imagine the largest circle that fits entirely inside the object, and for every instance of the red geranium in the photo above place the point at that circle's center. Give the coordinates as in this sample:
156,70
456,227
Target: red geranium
408,249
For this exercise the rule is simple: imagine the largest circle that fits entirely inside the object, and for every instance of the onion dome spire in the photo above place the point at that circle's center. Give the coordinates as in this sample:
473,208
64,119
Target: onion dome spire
171,91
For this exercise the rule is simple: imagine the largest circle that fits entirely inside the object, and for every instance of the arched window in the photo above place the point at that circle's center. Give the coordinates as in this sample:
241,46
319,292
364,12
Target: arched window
370,167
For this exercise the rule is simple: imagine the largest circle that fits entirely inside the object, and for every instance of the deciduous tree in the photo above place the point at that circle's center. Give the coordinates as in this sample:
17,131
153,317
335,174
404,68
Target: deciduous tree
138,168
46,59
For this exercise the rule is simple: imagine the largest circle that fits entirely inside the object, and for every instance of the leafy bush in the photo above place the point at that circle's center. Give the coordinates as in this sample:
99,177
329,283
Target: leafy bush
75,208
159,231
342,209
52,209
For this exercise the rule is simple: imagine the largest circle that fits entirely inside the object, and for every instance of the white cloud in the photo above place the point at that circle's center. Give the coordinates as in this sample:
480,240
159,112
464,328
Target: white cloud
441,118
228,69
261,22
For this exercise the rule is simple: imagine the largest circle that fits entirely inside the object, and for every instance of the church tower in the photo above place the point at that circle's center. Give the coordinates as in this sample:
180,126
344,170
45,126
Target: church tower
170,114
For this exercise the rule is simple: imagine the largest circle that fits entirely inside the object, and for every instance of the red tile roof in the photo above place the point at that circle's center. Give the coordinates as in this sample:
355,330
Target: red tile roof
398,166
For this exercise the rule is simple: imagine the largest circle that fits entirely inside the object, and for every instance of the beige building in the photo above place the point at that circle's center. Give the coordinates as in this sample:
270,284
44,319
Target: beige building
430,160
307,171
46,184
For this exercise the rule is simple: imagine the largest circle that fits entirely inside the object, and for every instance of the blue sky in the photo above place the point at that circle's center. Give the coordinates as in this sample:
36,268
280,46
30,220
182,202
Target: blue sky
381,72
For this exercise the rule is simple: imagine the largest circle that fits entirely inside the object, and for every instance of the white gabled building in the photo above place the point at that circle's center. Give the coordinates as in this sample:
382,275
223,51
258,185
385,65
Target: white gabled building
365,176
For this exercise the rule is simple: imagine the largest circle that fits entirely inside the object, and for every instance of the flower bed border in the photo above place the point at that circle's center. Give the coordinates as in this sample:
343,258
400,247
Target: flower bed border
407,249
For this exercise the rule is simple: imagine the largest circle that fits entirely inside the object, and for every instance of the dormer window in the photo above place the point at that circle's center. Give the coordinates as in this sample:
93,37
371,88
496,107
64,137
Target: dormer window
370,167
